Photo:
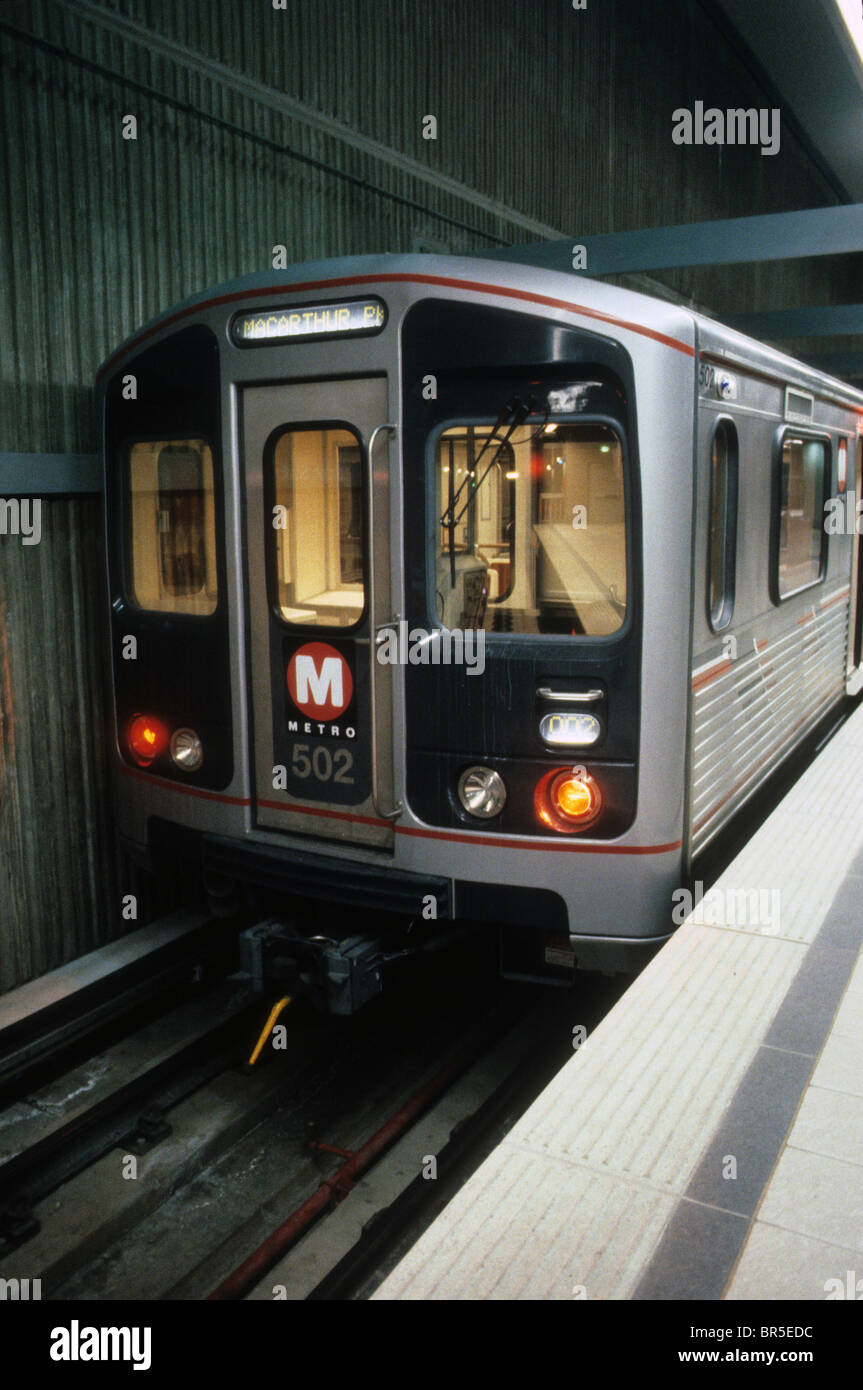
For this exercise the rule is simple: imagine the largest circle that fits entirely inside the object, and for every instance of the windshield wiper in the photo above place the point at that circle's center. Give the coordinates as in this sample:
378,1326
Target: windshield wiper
519,411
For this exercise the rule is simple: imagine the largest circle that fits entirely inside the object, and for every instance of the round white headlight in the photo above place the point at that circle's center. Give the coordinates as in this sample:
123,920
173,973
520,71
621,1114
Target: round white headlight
481,792
186,749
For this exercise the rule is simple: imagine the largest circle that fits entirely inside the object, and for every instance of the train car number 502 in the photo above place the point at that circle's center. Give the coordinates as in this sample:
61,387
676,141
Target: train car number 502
322,764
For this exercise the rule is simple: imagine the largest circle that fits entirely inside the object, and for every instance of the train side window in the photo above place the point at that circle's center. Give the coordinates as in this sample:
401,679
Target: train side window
171,542
723,524
318,560
802,491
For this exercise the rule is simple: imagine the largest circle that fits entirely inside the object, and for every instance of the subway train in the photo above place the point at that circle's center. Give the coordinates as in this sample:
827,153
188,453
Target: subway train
449,594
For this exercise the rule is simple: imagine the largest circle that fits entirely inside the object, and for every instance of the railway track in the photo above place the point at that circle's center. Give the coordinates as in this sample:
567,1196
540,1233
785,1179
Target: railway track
131,1117
301,1177
67,1015
302,1180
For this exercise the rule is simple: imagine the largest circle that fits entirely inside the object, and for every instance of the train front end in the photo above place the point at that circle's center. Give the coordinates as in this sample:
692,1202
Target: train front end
399,558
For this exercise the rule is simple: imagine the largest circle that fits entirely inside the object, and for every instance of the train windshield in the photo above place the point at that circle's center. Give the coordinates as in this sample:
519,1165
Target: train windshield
172,527
316,479
531,533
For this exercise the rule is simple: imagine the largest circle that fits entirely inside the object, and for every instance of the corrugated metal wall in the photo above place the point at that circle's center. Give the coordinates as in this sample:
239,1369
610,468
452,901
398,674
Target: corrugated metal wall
304,127
58,856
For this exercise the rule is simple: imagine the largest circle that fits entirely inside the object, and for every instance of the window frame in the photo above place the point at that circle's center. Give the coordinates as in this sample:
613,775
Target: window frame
612,423
271,545
127,547
720,620
815,436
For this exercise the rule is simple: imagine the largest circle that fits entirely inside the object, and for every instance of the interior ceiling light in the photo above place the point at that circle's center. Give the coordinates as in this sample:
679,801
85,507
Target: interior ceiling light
852,14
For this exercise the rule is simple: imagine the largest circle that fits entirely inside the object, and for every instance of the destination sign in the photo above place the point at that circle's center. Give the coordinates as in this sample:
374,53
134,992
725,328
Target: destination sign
352,316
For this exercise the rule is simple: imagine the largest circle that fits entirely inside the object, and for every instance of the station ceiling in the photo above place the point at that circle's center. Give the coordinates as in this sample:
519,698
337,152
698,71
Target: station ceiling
802,50
806,51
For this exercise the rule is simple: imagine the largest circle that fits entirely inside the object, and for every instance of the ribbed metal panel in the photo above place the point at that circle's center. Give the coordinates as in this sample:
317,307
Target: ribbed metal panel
546,110
547,117
62,879
749,710
59,872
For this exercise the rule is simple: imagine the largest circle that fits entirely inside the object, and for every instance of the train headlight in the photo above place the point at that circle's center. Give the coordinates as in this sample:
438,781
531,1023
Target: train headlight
187,749
482,792
147,738
568,799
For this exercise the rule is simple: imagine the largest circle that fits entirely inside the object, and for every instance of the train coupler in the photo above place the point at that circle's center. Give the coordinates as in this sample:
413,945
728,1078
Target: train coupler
339,976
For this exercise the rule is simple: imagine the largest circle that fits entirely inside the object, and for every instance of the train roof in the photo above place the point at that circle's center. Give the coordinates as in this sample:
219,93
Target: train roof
570,292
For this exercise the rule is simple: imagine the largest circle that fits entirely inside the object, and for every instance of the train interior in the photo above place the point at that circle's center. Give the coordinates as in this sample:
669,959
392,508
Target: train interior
531,536
318,520
804,485
172,555
532,532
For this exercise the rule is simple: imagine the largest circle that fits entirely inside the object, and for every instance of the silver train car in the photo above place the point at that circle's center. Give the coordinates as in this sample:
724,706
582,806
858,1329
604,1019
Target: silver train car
445,590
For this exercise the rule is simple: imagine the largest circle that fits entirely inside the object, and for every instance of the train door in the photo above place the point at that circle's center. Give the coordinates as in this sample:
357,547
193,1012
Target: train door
317,532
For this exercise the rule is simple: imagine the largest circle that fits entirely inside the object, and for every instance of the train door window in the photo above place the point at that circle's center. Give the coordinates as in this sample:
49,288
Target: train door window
318,560
802,492
532,534
723,524
171,541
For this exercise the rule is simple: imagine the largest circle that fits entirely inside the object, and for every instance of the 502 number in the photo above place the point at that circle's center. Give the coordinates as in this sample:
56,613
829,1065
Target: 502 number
321,764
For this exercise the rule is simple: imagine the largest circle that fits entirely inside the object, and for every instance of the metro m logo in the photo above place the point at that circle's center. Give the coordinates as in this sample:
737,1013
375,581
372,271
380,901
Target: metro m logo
319,681
307,678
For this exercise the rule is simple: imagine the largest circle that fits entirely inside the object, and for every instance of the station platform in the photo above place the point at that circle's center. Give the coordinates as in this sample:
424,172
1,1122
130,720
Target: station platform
706,1140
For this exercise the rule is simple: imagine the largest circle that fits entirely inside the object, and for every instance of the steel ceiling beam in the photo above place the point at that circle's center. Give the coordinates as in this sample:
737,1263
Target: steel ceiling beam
778,236
35,475
826,322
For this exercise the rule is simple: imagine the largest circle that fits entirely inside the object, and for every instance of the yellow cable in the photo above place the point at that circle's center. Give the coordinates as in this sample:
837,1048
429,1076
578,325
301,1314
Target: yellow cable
268,1027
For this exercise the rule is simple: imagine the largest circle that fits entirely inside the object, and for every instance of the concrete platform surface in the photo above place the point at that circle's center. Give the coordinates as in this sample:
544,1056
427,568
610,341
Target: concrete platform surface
706,1141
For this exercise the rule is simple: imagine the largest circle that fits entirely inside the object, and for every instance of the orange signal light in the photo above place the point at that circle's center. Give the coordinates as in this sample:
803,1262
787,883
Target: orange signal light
147,738
573,798
568,799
